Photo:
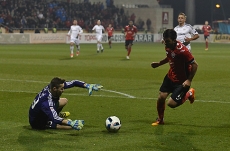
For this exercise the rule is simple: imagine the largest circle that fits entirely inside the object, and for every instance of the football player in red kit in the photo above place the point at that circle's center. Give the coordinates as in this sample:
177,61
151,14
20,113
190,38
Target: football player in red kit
206,29
178,80
130,33
110,30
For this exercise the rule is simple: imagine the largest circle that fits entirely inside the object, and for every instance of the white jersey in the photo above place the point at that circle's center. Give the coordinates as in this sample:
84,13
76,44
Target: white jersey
185,31
98,29
74,31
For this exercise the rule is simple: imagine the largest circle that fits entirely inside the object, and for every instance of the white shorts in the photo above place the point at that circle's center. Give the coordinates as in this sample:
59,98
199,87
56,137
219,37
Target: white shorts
189,47
74,40
99,38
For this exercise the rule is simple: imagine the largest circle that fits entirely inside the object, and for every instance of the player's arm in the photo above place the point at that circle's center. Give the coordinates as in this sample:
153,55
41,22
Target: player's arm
94,29
160,63
80,31
81,84
194,34
49,110
194,66
70,31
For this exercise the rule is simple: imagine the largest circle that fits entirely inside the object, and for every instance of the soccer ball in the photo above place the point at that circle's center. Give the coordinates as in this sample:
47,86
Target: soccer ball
112,124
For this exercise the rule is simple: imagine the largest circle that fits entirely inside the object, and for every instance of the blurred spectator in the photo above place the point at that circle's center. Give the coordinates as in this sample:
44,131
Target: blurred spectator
23,21
41,13
1,20
37,31
133,17
21,31
148,24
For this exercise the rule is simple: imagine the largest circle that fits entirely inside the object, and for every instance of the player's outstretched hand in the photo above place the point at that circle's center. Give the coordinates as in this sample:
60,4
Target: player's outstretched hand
93,87
155,64
76,124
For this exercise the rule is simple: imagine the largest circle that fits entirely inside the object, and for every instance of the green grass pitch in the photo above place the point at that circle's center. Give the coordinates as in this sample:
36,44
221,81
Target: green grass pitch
130,92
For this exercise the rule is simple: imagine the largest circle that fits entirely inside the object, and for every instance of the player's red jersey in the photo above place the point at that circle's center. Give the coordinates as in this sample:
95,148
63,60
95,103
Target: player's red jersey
110,31
130,31
179,62
206,29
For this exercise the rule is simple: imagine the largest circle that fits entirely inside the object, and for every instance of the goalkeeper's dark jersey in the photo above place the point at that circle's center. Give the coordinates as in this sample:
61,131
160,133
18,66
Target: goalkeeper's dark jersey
43,110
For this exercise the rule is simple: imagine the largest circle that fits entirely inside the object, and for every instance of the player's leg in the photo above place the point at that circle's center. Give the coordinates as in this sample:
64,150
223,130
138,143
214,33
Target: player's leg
71,47
59,106
100,39
180,95
165,90
160,108
126,47
206,42
77,47
129,48
110,42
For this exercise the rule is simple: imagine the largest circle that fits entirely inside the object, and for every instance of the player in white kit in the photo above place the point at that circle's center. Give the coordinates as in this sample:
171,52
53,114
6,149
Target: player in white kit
185,32
98,29
74,33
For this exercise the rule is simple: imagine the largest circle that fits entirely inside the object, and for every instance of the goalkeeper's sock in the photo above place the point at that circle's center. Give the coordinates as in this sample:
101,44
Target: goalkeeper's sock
101,46
129,51
160,110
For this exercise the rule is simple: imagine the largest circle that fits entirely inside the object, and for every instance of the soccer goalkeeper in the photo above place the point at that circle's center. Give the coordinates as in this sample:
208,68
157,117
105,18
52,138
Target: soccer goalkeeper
45,111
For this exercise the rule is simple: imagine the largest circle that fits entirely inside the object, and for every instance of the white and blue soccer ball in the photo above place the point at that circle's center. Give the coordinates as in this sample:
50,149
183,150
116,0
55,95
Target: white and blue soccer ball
113,124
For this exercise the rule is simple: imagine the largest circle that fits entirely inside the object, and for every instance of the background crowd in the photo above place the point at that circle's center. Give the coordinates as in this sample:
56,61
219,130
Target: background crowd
31,14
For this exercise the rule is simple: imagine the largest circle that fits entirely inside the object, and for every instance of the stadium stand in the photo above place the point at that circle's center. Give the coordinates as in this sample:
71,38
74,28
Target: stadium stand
29,14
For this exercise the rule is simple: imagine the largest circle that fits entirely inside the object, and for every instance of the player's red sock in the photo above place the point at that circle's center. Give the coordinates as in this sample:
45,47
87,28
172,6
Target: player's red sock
160,110
206,43
129,51
185,97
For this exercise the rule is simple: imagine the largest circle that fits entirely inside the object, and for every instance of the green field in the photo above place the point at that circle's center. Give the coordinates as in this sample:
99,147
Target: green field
130,92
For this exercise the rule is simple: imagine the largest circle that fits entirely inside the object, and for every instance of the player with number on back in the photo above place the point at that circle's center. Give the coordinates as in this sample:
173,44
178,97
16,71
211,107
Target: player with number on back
178,80
110,30
74,33
45,111
130,33
99,29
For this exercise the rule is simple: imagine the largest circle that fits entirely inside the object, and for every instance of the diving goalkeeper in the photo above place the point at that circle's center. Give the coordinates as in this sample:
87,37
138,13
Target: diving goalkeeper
45,111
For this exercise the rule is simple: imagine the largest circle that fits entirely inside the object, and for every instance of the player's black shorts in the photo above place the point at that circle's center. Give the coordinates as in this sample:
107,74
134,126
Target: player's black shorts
177,90
206,37
109,37
128,42
42,121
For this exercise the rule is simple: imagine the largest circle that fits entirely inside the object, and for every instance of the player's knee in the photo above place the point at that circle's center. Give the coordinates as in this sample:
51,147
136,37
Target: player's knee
171,105
63,101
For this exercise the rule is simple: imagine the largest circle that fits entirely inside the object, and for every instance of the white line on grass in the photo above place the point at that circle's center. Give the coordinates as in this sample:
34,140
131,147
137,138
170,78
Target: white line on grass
111,96
124,95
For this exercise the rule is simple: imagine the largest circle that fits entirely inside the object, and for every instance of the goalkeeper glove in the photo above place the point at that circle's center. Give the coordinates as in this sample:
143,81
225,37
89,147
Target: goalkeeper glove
93,87
76,124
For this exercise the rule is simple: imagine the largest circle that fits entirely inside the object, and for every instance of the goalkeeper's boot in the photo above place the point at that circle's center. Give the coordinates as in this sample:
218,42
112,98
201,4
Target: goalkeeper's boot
64,114
191,98
158,122
102,50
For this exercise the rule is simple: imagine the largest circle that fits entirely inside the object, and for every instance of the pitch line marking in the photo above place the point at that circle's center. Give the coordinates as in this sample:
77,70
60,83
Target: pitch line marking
123,94
111,96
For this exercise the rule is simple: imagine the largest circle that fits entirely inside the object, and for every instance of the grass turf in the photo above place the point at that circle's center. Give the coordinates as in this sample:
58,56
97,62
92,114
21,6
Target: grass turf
130,92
